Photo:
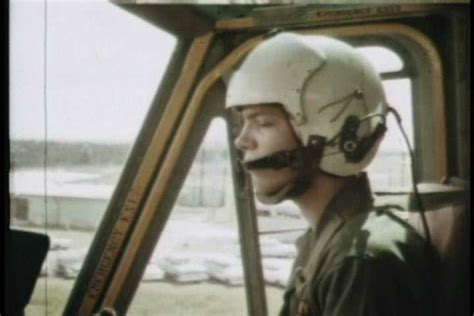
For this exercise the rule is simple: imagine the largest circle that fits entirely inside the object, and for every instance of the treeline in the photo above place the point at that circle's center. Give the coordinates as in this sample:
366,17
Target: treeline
26,153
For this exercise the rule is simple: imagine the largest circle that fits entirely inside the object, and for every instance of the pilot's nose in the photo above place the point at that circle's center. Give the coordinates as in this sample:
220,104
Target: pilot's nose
244,141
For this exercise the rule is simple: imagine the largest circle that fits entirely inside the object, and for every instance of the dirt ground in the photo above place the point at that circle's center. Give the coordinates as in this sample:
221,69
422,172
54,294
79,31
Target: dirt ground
168,298
160,298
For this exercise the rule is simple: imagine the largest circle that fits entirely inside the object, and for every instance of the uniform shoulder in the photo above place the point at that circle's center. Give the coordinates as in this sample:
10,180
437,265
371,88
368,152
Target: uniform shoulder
381,243
375,234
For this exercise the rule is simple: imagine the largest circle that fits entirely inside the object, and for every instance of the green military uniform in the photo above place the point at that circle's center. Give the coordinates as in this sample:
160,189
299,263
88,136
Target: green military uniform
360,261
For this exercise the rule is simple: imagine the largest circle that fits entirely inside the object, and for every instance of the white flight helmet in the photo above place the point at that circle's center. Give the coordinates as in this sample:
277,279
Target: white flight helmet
329,90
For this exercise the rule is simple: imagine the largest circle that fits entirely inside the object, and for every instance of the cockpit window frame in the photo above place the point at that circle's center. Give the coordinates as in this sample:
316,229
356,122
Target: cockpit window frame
108,282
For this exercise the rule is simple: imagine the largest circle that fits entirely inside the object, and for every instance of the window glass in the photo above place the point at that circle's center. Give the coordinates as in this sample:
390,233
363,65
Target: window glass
196,268
391,168
383,59
101,71
279,225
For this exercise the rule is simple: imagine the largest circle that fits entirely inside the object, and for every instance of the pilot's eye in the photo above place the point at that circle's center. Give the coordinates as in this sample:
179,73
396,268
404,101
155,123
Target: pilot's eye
265,121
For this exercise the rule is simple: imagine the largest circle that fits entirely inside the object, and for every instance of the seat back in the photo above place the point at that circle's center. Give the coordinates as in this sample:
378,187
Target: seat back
449,226
26,252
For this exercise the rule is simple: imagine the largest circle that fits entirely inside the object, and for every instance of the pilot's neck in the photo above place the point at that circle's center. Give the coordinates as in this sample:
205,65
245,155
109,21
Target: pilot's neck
316,198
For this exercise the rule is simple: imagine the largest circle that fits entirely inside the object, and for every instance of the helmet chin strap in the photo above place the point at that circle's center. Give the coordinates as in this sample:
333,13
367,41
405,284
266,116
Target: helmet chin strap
298,158
305,159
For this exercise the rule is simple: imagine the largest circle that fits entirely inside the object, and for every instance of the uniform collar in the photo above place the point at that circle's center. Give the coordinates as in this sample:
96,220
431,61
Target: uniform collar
355,197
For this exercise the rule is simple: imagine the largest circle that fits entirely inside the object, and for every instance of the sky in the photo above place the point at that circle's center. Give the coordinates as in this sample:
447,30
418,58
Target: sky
103,67
101,71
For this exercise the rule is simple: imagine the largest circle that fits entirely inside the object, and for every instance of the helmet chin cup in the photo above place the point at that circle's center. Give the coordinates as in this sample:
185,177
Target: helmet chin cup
304,159
277,196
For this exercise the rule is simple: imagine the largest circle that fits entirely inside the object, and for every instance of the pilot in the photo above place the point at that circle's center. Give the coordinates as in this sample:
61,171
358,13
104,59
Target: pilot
313,114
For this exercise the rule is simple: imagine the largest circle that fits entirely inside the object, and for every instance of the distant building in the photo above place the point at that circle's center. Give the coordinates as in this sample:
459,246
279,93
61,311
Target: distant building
74,200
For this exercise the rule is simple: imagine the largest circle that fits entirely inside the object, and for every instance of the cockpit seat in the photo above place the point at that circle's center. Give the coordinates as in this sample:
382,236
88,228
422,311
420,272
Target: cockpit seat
448,219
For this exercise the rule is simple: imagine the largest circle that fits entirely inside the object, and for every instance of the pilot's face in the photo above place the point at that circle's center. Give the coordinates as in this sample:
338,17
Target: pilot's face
266,130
